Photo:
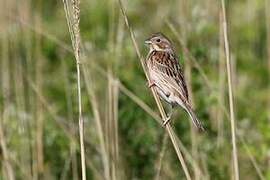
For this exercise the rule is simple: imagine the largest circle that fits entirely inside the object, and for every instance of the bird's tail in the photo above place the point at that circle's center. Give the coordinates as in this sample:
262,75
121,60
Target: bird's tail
194,118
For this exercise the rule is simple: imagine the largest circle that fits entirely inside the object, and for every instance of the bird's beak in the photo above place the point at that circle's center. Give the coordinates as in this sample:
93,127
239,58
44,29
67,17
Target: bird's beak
148,41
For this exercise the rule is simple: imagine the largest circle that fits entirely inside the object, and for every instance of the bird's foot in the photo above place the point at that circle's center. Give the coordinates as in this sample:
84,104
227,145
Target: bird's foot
151,84
166,121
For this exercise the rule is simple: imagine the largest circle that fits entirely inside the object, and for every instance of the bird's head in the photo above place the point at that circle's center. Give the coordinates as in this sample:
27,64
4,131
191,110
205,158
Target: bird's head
159,42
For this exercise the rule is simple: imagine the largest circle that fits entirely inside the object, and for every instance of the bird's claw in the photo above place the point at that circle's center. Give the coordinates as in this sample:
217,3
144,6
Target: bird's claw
166,121
151,84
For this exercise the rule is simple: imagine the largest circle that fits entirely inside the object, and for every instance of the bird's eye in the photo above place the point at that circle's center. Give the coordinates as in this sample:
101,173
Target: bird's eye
158,40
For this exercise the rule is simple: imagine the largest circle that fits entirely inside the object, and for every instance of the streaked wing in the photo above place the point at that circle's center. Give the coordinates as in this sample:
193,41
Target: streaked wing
166,65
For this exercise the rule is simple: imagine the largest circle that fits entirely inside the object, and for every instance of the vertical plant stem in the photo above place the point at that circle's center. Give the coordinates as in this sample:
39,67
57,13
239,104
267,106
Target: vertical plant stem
28,69
112,116
73,25
39,107
161,156
267,21
81,126
68,96
193,134
6,104
97,118
252,159
230,89
158,102
115,132
109,121
220,114
5,162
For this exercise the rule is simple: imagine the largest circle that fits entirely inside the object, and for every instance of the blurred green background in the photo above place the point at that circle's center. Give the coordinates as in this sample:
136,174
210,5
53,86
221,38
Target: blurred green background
38,100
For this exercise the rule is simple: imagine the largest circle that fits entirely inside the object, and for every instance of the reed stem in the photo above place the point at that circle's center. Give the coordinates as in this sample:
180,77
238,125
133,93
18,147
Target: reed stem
74,30
230,89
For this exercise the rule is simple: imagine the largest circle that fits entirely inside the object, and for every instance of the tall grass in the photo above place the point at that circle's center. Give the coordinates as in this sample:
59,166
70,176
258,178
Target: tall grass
6,103
39,136
39,109
230,89
267,22
221,88
73,19
9,173
70,115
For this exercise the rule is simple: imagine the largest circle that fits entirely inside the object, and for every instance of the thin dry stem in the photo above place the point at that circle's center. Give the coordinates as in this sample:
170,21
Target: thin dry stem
68,96
220,114
252,159
97,118
4,116
73,25
6,162
267,21
230,89
39,108
112,121
187,70
161,156
25,14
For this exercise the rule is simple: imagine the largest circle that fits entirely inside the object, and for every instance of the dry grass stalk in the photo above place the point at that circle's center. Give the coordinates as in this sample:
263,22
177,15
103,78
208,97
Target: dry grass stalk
65,170
112,121
68,96
74,30
6,90
25,104
28,69
109,120
160,107
97,118
161,156
230,89
184,19
252,159
20,168
205,167
267,18
6,159
220,114
39,108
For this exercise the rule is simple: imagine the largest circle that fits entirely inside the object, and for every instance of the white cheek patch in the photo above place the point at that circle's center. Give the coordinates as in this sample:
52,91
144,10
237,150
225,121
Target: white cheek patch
156,47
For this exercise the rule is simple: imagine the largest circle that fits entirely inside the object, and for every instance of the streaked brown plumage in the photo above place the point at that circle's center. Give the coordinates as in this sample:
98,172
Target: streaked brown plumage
167,75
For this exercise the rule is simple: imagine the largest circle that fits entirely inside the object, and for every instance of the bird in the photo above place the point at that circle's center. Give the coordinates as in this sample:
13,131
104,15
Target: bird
166,76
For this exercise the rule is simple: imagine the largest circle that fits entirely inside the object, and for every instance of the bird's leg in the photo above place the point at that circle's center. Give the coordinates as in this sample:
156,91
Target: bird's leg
151,83
169,115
